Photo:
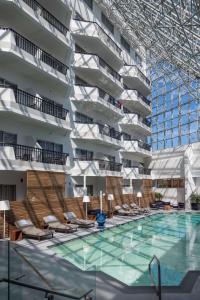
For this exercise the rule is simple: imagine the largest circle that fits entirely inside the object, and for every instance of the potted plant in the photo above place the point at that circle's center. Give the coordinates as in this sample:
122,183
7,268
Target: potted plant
158,196
195,201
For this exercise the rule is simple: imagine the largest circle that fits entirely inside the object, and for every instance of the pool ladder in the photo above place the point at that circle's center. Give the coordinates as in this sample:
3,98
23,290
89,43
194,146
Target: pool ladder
158,287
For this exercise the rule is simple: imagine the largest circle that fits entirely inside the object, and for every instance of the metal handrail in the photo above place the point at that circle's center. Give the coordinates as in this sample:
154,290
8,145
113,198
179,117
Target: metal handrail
103,64
40,54
158,287
51,19
140,74
47,292
27,153
108,38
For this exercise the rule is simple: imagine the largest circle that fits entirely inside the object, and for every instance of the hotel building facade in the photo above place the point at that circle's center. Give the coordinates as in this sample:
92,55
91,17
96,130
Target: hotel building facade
73,98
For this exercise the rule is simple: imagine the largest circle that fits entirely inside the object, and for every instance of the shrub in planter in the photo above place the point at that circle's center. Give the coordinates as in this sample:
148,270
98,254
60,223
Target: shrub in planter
158,196
195,201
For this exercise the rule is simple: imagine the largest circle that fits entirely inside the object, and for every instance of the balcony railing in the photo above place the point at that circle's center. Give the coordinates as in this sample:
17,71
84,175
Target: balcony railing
109,69
144,145
37,52
27,153
37,103
145,121
104,36
110,99
109,131
37,7
140,119
143,98
109,166
140,74
144,171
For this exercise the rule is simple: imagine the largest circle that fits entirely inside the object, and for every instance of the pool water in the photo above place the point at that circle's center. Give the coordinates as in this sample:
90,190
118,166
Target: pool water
125,251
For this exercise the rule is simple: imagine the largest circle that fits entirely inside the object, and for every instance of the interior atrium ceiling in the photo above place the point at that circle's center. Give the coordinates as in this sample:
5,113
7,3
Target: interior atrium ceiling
169,30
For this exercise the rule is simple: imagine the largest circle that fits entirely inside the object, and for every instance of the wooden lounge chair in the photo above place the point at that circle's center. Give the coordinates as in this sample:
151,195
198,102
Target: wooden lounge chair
128,208
122,212
29,230
71,217
133,205
55,224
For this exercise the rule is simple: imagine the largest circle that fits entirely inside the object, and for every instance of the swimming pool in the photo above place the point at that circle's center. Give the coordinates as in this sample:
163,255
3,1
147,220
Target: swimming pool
125,251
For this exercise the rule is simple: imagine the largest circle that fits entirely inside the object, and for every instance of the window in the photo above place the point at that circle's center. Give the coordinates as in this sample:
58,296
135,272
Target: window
126,163
79,189
81,118
125,44
81,82
8,192
50,146
82,154
78,49
126,183
107,23
110,157
7,138
126,136
89,3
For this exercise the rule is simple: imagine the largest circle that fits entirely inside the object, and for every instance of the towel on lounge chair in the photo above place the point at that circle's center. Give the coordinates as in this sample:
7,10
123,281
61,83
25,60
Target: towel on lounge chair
142,210
29,230
55,224
122,212
71,217
127,207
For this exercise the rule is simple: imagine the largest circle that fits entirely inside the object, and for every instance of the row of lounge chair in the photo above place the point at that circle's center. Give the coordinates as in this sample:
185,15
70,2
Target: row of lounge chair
28,229
130,210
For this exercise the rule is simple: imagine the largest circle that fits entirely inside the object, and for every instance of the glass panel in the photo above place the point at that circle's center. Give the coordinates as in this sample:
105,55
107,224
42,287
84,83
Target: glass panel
32,269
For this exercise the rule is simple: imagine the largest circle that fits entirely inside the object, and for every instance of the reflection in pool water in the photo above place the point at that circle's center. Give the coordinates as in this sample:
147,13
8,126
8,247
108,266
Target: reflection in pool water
124,252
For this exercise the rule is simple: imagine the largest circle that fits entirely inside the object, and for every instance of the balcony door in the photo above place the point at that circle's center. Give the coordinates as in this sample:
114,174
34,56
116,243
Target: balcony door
7,138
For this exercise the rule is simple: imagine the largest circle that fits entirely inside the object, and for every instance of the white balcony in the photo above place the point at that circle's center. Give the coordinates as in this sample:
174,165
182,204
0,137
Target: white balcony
136,147
131,120
135,79
94,39
95,168
35,16
93,69
17,102
94,134
18,53
133,100
135,173
23,158
93,99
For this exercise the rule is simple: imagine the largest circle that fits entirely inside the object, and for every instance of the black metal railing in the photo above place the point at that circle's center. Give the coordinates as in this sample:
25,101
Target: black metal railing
146,122
109,165
139,95
37,52
37,7
109,131
140,74
107,39
42,105
143,98
27,153
144,145
47,293
109,70
144,171
158,285
110,99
